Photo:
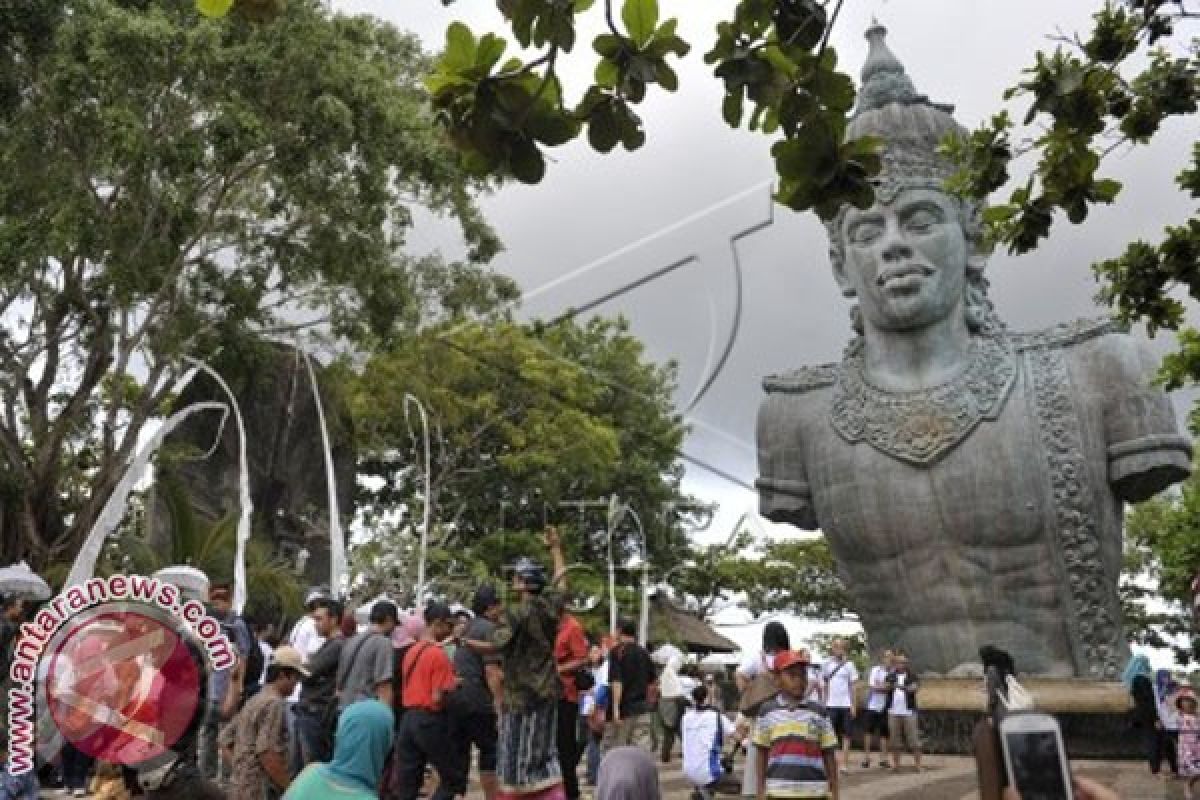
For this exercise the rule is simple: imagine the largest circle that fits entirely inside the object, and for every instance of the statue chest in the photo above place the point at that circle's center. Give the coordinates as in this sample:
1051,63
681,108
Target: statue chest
993,489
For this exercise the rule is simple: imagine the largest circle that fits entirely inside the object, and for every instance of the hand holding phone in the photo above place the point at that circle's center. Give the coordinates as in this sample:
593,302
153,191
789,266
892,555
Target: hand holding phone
1034,757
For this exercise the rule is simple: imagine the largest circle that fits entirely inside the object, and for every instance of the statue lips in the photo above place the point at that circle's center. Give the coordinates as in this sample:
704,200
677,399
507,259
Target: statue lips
903,279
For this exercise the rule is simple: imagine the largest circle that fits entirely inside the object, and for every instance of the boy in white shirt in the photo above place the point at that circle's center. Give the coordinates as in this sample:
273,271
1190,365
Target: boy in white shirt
704,730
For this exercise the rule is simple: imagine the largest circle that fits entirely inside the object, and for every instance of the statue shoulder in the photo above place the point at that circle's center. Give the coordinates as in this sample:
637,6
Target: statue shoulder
1101,349
1071,334
804,379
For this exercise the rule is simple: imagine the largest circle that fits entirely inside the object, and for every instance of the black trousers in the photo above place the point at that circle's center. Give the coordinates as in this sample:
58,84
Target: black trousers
569,750
1161,744
424,738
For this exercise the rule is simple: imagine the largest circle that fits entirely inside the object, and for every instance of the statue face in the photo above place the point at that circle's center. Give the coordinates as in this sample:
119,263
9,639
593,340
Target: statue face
906,261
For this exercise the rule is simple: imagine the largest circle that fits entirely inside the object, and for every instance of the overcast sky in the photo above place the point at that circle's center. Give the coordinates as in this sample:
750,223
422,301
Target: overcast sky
665,216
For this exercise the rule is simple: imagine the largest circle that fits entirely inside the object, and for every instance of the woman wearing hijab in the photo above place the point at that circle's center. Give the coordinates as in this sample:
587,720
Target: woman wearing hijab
1137,679
364,738
628,773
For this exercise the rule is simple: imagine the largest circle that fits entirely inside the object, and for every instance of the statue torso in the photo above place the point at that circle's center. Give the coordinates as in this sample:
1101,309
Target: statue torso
978,512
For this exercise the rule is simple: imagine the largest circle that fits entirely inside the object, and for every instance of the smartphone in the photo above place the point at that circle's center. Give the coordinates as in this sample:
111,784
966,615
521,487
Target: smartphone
1034,756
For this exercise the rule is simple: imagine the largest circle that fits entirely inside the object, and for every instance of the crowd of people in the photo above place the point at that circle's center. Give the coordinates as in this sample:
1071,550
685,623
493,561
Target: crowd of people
516,694
1166,711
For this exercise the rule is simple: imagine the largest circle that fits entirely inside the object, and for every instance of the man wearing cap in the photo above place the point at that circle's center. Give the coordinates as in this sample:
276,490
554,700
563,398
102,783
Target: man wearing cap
797,748
256,741
424,737
473,718
527,757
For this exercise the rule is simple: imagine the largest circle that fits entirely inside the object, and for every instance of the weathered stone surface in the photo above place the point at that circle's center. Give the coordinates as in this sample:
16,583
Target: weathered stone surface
285,455
970,480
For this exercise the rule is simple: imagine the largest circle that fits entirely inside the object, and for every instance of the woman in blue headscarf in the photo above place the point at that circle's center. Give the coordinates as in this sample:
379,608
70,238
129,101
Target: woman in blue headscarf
1138,680
364,739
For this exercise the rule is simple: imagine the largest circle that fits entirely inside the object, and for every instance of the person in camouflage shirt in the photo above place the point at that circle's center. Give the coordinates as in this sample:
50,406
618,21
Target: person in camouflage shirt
527,757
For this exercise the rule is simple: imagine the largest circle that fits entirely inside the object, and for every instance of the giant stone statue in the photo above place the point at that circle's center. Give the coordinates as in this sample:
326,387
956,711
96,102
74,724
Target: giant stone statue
969,479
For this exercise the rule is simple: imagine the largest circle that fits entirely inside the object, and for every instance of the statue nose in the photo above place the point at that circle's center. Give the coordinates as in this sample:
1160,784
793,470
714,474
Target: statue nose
896,250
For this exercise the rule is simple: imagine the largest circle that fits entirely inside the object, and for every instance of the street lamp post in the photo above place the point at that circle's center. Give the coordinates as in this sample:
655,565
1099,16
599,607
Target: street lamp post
644,615
408,398
613,518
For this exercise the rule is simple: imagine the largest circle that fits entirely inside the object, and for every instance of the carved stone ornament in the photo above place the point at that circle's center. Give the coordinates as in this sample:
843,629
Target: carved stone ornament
1096,633
920,427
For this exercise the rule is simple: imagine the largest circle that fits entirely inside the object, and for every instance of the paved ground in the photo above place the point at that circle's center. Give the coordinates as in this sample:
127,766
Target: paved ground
949,778
946,778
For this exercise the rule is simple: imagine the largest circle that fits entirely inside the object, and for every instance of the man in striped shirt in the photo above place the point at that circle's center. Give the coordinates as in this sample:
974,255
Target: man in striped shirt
797,748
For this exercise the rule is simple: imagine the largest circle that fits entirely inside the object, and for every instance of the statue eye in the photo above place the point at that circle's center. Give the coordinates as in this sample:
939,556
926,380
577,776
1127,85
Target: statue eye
865,232
922,221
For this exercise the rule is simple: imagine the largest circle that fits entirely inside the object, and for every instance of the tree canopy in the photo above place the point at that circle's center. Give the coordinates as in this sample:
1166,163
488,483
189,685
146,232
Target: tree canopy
527,425
1162,557
174,181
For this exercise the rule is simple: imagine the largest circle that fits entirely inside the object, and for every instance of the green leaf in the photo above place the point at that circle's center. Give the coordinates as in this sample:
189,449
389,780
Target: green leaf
666,76
460,48
603,132
608,45
731,108
581,6
1106,190
641,19
214,8
526,162
607,73
491,50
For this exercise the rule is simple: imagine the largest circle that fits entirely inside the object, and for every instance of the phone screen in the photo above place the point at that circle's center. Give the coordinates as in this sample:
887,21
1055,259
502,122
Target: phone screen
1037,765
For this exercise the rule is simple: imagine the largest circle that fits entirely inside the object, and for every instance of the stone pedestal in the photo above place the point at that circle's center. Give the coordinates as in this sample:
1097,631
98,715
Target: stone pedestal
1094,715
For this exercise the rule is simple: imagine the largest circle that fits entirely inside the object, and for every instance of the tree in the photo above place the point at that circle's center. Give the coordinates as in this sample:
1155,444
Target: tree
524,421
773,54
1088,99
271,584
1162,549
795,575
172,182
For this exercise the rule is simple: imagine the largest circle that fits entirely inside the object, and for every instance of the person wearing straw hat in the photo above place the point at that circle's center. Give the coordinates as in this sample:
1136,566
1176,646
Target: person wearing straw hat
256,741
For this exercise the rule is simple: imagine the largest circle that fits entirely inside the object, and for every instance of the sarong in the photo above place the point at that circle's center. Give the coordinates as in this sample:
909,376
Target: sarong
526,755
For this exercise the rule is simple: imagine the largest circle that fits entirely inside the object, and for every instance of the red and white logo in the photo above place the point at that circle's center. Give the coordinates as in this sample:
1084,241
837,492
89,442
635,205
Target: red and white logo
122,684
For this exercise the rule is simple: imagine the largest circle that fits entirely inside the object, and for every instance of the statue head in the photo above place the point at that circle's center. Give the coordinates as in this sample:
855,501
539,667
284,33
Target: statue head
918,253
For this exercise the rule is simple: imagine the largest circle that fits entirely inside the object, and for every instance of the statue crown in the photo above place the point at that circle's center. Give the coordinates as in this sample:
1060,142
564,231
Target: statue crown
910,125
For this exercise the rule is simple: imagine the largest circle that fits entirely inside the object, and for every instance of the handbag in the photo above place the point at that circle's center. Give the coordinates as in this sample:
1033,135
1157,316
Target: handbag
584,679
761,689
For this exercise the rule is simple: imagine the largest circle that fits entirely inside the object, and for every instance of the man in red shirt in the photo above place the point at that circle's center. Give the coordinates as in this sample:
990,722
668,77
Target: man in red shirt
570,653
424,737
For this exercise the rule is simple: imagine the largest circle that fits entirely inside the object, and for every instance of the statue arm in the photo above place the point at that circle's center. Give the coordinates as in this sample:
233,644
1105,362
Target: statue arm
1146,452
783,490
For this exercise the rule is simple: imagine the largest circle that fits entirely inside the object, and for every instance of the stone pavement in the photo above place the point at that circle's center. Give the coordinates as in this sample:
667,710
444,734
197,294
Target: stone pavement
946,778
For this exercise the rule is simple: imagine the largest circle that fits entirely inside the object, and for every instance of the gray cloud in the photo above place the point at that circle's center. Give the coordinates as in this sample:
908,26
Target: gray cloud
591,206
